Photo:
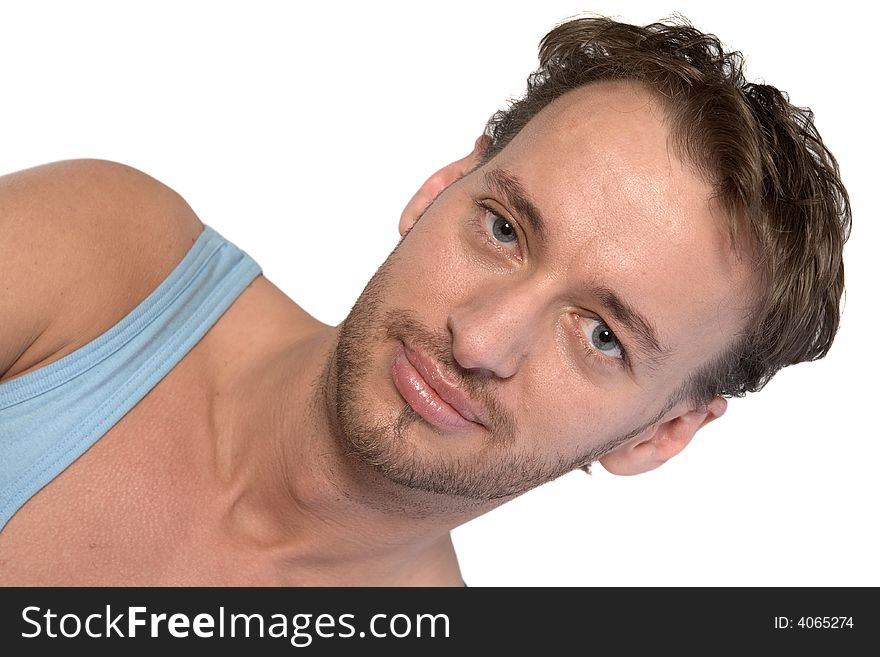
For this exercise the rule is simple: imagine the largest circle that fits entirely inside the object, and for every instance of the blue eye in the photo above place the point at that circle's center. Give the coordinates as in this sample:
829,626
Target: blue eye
601,337
502,229
497,232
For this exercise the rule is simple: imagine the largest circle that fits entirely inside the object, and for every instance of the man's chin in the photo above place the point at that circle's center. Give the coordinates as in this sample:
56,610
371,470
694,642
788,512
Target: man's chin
398,454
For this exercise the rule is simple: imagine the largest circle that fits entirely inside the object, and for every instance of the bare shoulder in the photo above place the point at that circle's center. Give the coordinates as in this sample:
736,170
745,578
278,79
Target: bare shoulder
83,242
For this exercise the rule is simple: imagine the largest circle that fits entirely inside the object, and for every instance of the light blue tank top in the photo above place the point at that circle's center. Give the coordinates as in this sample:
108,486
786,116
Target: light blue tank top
52,415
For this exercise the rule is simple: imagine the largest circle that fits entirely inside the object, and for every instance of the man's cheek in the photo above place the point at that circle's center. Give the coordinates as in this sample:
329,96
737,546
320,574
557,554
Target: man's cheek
436,276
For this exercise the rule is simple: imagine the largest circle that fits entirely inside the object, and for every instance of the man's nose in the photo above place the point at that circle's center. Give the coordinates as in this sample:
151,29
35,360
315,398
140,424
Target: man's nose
494,330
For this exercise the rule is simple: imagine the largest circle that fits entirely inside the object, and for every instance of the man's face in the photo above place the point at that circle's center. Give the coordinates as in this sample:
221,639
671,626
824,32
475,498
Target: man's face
543,309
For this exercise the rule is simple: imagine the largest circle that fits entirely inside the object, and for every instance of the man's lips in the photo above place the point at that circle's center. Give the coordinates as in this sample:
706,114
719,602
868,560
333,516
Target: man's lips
423,385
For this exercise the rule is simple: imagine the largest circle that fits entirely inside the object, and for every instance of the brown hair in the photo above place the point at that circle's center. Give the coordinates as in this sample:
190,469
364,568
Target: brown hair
769,168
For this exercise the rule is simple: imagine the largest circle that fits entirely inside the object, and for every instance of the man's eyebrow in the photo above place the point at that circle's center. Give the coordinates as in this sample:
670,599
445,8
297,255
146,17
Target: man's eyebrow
508,185
638,325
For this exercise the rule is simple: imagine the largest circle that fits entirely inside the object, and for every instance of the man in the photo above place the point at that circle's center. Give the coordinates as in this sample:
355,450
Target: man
640,237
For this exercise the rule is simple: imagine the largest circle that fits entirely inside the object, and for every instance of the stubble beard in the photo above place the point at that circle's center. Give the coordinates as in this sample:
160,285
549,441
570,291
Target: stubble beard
492,471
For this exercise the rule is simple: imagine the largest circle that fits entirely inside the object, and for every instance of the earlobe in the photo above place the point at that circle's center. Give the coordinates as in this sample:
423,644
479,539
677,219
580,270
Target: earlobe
439,181
661,442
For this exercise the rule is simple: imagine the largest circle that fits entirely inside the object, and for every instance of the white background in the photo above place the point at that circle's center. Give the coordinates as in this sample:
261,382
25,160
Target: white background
300,130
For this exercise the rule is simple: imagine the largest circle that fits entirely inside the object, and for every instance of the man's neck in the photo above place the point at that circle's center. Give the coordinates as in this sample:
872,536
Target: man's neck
289,483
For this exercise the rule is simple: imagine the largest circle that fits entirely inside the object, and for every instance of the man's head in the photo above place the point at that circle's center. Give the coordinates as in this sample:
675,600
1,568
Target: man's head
594,278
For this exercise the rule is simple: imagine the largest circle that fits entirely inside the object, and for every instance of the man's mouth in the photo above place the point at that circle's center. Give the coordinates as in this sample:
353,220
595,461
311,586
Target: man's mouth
431,393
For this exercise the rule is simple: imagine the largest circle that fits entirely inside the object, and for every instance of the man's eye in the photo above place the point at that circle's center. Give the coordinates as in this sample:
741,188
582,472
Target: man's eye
500,228
601,338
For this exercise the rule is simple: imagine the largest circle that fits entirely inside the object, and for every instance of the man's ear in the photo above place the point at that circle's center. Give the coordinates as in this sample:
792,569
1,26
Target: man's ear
440,181
662,441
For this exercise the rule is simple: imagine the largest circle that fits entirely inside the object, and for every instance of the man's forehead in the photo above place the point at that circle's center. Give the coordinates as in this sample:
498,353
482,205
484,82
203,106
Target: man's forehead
606,131
629,107
599,155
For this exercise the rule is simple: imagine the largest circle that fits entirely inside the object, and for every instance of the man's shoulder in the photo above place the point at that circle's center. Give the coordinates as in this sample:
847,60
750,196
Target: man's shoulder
84,242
